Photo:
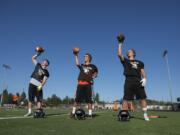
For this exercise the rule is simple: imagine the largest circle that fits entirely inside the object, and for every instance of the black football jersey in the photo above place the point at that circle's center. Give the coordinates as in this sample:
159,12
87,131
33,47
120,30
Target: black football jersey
86,72
39,73
132,68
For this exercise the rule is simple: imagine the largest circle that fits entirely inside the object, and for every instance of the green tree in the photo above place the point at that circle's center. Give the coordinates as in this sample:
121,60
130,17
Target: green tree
5,97
97,98
23,96
10,101
71,101
53,100
66,100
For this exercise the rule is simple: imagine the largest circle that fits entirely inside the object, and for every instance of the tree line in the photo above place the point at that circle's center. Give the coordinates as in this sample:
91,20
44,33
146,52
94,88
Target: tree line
21,99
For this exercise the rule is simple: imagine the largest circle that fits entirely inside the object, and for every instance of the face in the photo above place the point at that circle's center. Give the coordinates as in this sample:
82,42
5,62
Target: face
86,58
44,64
130,53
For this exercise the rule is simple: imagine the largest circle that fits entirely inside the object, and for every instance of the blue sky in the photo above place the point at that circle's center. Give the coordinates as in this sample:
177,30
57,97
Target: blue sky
150,26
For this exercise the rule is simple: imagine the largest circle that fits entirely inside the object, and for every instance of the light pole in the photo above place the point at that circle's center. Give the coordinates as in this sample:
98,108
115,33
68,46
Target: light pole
5,86
165,56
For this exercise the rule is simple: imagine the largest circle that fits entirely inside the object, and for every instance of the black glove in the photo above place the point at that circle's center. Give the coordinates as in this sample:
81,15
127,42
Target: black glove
120,38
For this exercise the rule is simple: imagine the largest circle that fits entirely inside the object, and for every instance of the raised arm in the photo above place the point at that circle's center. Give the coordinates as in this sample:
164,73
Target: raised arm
120,39
77,60
120,52
75,51
34,59
39,50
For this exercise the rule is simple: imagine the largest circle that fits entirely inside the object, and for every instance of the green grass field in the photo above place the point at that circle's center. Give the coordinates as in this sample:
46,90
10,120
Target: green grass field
105,123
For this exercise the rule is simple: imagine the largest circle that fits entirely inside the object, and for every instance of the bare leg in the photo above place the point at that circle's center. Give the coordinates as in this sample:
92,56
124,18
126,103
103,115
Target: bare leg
29,105
144,108
90,108
29,109
143,103
39,105
74,107
132,107
125,105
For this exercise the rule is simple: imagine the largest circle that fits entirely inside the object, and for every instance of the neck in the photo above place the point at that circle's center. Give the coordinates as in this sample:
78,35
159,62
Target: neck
131,58
87,63
43,67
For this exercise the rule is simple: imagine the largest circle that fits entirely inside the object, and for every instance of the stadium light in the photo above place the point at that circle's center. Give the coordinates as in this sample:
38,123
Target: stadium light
5,86
165,56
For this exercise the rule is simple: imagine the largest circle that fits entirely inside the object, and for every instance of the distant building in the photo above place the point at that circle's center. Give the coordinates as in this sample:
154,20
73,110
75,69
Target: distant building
107,106
159,107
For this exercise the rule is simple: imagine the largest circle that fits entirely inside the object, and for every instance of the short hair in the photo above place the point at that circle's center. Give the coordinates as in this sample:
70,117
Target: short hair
47,61
132,51
90,56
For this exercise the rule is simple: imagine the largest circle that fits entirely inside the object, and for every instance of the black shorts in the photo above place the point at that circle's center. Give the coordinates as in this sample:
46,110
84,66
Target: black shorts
33,92
84,94
134,90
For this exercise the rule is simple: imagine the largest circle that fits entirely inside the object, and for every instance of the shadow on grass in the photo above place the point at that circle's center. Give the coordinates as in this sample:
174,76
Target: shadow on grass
56,114
136,117
63,114
151,117
93,116
141,118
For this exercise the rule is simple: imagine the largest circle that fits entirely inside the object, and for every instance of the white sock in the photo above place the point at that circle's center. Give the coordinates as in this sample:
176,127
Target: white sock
74,109
146,118
145,110
29,110
145,114
90,111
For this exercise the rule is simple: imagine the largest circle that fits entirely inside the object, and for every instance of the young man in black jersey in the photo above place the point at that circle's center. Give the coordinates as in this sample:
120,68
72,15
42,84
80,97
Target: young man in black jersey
38,80
87,74
135,79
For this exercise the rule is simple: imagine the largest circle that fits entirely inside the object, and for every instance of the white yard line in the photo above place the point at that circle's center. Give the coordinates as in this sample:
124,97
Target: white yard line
16,117
48,115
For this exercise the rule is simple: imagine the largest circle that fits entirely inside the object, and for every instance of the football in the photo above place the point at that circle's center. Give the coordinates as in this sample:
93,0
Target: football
39,49
75,50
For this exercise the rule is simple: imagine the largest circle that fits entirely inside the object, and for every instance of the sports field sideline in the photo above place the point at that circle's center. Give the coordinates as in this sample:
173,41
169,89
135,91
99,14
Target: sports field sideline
104,123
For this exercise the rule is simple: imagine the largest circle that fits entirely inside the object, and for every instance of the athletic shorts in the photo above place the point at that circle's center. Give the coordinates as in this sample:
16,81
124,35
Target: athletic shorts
134,90
33,92
84,94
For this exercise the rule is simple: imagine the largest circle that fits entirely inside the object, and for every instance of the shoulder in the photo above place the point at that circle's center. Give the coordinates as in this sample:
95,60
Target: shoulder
38,65
93,66
126,60
140,62
79,66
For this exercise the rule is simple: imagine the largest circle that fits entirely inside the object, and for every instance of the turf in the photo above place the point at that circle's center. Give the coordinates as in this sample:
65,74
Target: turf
105,123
